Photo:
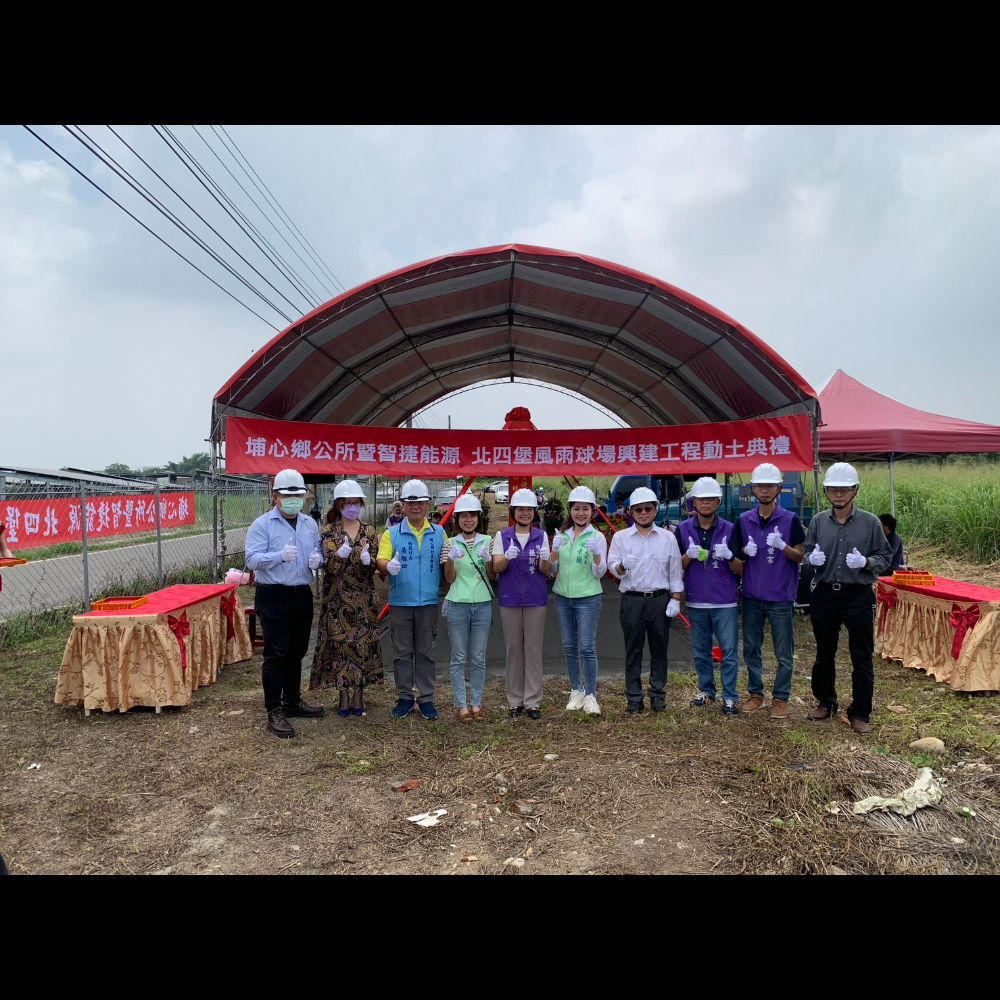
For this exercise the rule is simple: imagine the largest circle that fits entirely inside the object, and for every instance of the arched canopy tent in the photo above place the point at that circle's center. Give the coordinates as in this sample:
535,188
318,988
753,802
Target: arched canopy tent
644,349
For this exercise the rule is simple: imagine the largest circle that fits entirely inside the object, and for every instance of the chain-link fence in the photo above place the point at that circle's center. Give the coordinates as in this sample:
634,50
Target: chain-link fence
87,540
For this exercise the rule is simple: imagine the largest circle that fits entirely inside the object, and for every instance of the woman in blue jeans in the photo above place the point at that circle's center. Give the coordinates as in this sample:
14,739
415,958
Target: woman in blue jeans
579,557
468,567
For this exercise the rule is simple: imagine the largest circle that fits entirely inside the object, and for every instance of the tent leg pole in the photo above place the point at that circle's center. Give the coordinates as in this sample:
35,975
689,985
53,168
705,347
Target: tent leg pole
892,491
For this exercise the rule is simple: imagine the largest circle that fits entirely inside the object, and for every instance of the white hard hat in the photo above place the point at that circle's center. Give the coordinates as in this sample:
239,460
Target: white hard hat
524,498
766,474
706,487
582,494
414,489
642,494
468,501
347,488
841,474
289,481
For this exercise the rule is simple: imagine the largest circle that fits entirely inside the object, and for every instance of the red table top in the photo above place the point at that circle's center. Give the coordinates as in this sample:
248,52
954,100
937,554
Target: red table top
168,600
949,590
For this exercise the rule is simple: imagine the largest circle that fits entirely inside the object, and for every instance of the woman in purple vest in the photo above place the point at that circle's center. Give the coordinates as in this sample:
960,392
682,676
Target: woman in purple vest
710,570
521,562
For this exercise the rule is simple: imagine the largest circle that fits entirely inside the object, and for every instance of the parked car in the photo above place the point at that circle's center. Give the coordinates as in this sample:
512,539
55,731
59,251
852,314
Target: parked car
501,494
500,484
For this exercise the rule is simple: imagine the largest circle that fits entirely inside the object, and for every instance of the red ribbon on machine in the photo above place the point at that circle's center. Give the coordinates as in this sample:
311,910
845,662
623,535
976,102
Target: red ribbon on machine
180,627
962,620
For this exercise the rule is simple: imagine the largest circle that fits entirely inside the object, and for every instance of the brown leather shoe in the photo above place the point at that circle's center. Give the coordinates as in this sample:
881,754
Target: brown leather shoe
820,713
860,727
464,715
300,710
779,709
753,702
279,725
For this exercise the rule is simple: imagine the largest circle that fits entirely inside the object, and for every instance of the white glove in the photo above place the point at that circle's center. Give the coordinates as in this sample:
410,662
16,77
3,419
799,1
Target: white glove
693,549
750,547
593,545
721,550
512,551
817,557
366,559
484,552
345,550
393,566
673,608
557,542
456,552
855,559
775,541
315,559
289,553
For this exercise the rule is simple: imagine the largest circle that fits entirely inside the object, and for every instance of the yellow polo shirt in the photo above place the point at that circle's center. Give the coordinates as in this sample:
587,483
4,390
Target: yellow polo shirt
385,543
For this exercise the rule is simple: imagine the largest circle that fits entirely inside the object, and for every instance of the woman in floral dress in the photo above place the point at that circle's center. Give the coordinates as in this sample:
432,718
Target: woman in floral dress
348,655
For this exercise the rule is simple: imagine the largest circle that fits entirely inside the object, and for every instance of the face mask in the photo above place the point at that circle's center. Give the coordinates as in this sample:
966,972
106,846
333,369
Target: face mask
291,505
350,511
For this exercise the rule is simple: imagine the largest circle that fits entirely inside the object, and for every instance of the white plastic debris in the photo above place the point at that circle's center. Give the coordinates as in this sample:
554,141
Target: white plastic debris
925,791
551,756
428,818
33,767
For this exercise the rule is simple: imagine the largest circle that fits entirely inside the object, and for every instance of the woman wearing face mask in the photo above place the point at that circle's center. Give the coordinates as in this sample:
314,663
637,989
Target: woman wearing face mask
348,654
467,568
579,556
521,562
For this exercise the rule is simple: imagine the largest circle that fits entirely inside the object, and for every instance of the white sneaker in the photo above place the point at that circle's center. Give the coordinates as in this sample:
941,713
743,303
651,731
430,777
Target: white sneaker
590,705
576,700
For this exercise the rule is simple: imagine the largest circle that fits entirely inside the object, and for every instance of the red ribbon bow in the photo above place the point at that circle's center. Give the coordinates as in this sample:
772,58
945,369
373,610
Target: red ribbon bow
180,627
228,602
962,620
887,597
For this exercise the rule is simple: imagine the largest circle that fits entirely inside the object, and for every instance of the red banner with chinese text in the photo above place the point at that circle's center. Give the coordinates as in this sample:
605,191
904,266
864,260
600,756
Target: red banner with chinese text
32,523
267,446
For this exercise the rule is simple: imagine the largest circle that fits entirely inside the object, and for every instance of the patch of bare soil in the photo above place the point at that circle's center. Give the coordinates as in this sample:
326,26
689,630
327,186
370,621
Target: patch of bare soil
206,790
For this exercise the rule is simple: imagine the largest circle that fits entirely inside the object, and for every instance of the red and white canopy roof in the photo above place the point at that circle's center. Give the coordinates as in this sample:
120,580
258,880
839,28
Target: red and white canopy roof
644,349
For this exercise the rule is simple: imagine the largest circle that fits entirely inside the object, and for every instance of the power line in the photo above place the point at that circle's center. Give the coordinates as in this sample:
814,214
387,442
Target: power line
96,150
330,293
151,232
302,240
183,200
216,198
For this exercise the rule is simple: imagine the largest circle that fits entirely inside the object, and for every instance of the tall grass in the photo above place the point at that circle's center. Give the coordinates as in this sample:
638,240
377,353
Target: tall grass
954,504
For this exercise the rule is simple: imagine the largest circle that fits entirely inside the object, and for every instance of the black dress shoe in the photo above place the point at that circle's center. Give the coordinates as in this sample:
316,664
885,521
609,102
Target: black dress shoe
279,725
533,713
300,710
635,709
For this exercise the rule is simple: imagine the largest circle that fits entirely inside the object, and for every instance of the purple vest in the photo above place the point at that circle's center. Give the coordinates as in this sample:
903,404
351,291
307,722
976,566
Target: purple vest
521,584
769,575
711,581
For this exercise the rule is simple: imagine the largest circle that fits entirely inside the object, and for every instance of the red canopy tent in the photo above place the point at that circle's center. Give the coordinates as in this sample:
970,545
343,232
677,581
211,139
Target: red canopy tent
860,424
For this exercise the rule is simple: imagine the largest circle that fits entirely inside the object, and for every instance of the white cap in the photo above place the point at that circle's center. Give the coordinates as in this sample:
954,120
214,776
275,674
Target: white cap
841,474
766,474
706,487
642,494
414,489
582,494
347,488
289,481
468,501
524,498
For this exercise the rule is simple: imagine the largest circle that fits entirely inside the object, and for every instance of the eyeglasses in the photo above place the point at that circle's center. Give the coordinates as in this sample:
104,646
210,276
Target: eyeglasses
643,509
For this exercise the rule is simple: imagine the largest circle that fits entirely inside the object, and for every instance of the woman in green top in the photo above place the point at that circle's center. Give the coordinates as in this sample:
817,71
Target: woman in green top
580,556
468,567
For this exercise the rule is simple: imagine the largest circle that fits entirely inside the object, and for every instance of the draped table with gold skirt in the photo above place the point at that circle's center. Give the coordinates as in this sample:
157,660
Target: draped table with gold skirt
951,630
156,654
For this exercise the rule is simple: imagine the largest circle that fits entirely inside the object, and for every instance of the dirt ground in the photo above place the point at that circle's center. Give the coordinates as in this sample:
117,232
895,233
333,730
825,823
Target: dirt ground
206,790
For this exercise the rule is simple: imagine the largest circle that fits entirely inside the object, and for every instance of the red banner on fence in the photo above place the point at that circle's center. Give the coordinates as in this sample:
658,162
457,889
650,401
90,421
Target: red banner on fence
32,523
256,445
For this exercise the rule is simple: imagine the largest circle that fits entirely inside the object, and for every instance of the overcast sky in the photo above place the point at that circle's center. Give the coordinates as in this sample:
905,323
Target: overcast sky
869,249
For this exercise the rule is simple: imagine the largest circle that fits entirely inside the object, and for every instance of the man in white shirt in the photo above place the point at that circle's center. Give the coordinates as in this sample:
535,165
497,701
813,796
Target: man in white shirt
646,560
